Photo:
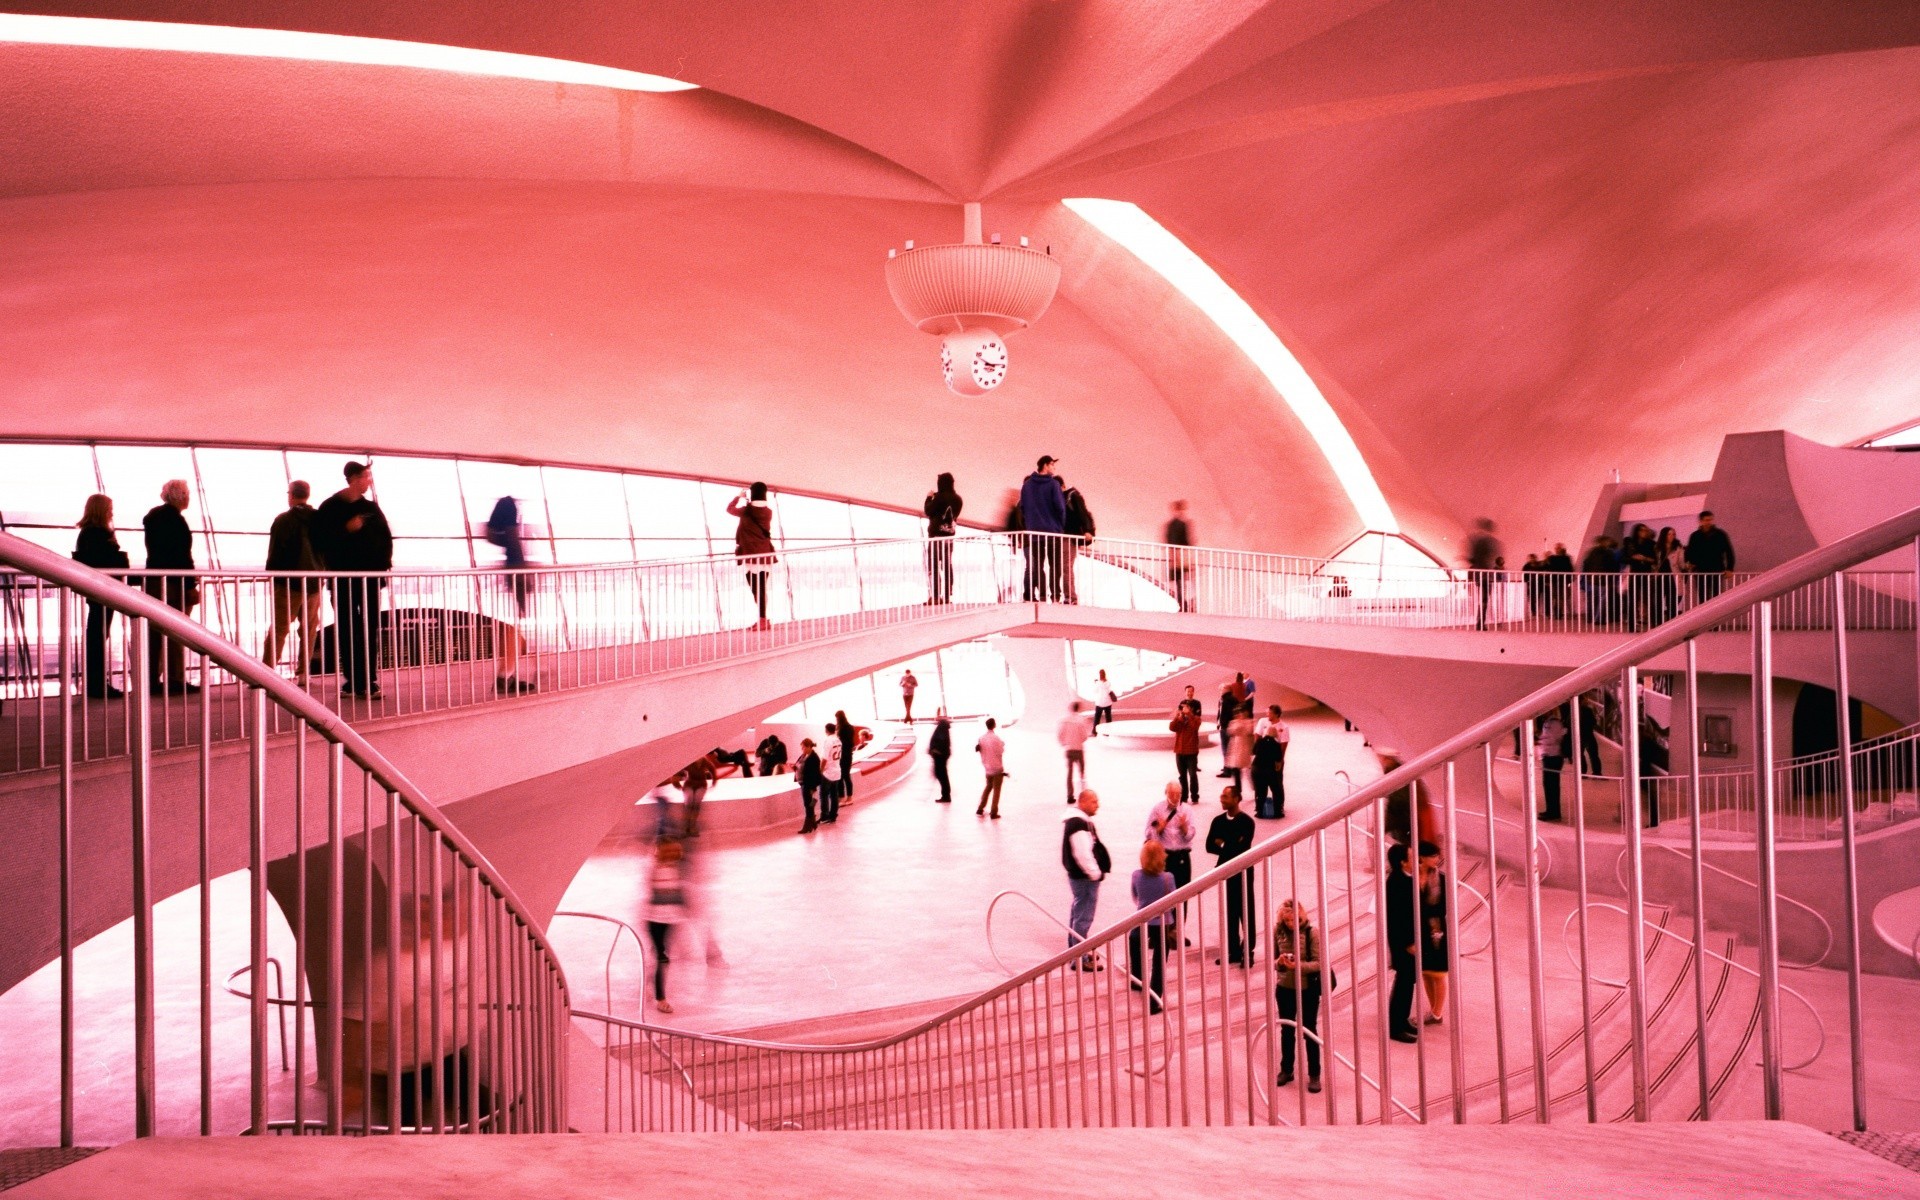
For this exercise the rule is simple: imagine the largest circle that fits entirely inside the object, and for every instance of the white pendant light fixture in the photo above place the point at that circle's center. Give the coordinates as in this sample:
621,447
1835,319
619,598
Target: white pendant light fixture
971,294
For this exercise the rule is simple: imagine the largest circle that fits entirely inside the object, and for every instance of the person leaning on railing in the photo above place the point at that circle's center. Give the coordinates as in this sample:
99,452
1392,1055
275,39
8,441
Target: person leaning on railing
97,547
350,533
290,548
170,550
753,542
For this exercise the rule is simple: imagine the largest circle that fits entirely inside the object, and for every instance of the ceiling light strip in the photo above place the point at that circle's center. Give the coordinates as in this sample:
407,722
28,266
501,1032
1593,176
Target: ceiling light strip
320,47
1150,242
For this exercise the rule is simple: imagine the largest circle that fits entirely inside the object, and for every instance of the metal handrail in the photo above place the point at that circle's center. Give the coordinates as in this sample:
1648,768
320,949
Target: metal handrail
1808,568
1825,928
531,967
1819,1025
275,998
243,666
639,946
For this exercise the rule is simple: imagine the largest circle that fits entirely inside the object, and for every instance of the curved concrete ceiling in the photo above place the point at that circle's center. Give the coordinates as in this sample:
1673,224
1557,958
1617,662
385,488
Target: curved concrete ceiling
1516,243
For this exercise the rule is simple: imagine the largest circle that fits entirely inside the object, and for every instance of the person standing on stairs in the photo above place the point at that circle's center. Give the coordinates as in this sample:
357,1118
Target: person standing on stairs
1552,746
1074,732
1087,863
1151,884
1434,957
939,750
1169,825
993,763
666,908
1229,837
1297,987
753,543
1404,936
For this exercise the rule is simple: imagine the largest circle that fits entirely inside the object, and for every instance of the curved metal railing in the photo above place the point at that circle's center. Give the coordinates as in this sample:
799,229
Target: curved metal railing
376,645
1820,1027
434,1000
1053,1046
1826,927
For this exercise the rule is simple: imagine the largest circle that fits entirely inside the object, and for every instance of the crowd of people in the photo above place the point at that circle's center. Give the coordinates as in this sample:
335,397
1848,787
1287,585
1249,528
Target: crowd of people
1635,582
347,533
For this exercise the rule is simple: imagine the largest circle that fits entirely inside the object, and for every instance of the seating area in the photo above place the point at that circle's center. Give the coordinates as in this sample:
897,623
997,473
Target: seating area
741,804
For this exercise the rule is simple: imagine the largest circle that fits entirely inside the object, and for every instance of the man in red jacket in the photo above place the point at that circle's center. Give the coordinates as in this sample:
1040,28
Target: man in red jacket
1186,749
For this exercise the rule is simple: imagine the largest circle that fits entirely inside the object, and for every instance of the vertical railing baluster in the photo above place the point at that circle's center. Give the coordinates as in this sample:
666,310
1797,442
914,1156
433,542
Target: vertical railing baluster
336,938
1456,1047
1850,875
1636,886
1765,882
1696,870
66,866
257,904
1536,958
141,782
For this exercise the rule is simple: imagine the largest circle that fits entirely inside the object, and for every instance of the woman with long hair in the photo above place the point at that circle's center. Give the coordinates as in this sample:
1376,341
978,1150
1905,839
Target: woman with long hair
1296,963
1152,883
1669,560
97,547
753,542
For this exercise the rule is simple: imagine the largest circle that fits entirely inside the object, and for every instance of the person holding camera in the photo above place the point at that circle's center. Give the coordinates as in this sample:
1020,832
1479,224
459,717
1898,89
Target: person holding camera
753,542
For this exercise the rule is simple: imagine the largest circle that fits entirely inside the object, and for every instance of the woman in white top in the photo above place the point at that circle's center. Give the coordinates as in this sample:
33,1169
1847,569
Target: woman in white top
833,773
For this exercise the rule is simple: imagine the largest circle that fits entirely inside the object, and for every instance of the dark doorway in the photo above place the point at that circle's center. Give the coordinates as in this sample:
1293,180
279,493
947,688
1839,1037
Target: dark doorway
1815,727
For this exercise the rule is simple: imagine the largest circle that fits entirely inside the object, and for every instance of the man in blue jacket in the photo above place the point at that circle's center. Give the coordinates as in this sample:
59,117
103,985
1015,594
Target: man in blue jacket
1043,510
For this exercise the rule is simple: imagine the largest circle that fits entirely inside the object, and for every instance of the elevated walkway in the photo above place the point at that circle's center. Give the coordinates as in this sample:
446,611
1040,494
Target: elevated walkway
619,712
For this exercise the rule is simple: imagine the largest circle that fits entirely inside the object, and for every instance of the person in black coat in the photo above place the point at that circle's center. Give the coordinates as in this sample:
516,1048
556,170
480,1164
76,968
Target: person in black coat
350,533
170,549
940,749
1710,558
97,547
808,771
1403,925
1228,837
942,508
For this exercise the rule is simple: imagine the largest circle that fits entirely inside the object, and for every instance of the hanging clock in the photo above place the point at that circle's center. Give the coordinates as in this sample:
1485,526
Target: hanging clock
973,361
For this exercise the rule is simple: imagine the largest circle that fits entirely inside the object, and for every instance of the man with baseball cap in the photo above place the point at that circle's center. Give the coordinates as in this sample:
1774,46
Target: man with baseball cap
1043,509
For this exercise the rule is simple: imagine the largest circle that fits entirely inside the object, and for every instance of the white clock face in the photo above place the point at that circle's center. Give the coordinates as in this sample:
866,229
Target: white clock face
990,364
973,361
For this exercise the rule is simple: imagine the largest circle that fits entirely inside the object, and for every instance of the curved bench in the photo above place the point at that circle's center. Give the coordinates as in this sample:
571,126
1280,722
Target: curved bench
737,804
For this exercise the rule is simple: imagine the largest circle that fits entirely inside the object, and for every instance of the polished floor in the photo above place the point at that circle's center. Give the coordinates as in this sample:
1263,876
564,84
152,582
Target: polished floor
889,906
1513,1162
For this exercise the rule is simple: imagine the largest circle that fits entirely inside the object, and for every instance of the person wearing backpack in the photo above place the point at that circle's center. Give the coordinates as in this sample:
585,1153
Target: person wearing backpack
1104,698
942,509
1080,532
1088,864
